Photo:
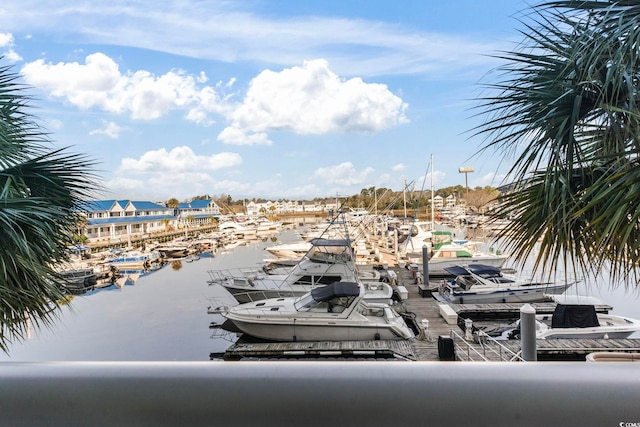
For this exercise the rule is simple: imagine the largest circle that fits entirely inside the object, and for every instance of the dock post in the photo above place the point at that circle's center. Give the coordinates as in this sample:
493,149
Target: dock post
425,263
395,245
528,333
423,287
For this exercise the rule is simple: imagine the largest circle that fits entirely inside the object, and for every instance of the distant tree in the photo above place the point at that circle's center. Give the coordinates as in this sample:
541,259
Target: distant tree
173,203
479,198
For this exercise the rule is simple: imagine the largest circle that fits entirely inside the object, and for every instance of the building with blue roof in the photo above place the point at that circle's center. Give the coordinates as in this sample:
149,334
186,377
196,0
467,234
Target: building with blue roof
119,220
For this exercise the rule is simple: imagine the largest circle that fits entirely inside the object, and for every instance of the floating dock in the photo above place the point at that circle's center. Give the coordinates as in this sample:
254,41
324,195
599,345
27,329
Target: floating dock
435,319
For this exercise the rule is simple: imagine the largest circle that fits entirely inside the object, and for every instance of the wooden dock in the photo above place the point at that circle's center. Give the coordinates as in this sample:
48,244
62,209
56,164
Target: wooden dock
357,350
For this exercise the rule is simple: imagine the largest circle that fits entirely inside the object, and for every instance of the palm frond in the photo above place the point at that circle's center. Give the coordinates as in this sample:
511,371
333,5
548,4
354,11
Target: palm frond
41,191
567,110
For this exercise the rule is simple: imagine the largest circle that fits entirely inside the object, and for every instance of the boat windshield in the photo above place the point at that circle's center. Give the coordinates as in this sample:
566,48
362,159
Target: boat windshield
304,302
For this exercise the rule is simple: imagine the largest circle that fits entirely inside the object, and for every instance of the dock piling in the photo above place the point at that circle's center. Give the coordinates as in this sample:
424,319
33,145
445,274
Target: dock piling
528,333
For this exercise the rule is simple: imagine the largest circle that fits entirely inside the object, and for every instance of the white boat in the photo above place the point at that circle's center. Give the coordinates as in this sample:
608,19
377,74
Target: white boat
336,312
174,249
241,231
484,284
265,225
328,261
580,321
448,255
413,237
612,356
444,252
135,260
293,250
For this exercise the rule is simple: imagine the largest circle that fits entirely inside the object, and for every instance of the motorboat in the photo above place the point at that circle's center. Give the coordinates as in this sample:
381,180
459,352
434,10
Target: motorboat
335,312
175,250
450,254
293,250
412,237
328,261
480,283
241,231
79,280
135,259
444,252
579,321
613,356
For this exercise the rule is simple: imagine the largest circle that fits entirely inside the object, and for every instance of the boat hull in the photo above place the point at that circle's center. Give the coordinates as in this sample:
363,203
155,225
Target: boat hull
611,326
532,294
299,331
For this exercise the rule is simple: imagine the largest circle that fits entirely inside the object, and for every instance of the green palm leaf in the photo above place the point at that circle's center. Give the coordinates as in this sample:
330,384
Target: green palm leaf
566,110
41,191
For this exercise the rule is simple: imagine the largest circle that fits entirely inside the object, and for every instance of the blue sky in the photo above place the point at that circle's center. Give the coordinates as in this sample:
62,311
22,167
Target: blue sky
273,99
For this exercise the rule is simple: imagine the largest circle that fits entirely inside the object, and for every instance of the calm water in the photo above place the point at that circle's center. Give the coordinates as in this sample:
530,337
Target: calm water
163,317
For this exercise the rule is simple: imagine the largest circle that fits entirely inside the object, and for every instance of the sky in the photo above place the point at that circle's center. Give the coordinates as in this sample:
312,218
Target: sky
265,99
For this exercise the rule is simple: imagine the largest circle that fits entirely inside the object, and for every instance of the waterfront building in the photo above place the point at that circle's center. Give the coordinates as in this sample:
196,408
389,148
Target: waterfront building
116,221
198,212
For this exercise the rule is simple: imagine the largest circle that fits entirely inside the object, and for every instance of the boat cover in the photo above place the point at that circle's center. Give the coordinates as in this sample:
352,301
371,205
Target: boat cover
478,269
457,270
484,270
574,316
334,290
330,242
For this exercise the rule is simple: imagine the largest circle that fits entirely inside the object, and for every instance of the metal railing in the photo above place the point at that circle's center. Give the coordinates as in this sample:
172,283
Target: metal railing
306,393
485,349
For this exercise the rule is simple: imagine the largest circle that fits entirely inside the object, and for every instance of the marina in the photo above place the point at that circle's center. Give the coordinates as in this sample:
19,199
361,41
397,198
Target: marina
428,346
440,328
132,318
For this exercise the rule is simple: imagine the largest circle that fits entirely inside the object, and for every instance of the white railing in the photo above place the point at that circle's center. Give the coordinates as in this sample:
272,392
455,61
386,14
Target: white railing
303,393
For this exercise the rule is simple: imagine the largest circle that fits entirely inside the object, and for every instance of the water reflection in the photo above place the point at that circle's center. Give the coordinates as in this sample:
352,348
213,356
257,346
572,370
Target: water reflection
161,316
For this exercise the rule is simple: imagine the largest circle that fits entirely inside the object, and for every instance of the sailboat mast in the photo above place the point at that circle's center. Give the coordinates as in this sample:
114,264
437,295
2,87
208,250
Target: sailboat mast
404,196
432,206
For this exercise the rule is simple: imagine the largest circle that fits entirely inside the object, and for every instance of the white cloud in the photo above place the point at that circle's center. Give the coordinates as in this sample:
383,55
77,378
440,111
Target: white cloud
55,124
98,83
110,129
178,160
6,41
399,167
312,99
344,174
12,56
231,31
235,136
